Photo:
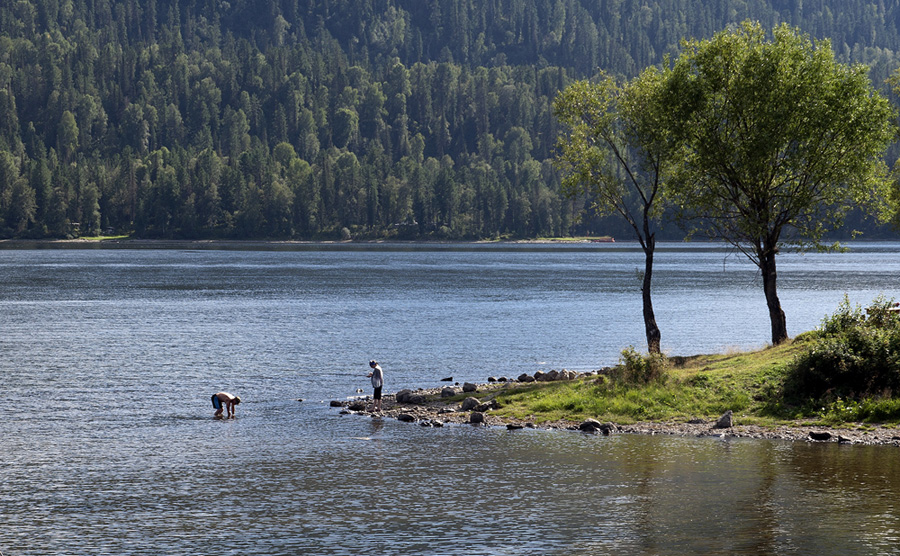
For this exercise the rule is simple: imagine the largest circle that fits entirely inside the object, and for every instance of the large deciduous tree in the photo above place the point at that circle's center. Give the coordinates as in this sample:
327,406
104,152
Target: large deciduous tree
616,150
779,140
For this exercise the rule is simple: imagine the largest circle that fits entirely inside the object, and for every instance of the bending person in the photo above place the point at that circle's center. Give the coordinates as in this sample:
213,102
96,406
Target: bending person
229,401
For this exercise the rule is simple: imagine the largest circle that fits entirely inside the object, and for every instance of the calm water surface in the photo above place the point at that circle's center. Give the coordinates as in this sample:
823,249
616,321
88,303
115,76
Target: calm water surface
108,358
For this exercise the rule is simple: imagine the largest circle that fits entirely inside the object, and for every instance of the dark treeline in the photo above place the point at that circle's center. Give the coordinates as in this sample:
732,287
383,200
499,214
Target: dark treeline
309,119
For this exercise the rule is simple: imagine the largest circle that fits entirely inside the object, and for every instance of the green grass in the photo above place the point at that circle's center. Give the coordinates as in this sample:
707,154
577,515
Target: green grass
702,386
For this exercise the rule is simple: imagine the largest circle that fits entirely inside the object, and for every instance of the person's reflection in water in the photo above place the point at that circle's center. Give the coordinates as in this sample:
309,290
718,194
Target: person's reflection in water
376,425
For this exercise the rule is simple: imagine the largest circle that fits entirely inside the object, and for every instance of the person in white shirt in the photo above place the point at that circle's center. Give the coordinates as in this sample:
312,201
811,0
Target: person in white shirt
377,376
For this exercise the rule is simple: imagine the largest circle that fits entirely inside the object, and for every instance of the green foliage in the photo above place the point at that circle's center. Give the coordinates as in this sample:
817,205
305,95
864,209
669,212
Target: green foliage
815,144
162,118
636,368
777,140
869,410
856,356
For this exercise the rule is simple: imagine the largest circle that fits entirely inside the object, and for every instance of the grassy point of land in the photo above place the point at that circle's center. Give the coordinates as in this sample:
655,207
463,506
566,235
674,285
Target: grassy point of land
750,384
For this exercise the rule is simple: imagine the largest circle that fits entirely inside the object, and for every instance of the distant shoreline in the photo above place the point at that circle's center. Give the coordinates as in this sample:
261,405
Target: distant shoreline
114,242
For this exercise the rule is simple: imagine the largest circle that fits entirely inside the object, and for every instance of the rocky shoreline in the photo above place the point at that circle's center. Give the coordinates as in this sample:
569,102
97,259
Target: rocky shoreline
449,405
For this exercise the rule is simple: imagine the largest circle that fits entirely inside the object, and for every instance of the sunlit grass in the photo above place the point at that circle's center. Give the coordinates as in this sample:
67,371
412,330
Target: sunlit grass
104,238
703,386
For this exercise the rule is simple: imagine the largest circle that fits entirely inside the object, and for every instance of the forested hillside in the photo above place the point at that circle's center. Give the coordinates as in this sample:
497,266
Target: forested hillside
306,119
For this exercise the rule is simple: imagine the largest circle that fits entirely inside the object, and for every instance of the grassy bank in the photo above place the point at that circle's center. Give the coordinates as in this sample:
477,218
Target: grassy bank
751,384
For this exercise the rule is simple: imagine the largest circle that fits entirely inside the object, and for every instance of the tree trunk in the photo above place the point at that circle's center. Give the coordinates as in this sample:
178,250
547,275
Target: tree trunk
653,336
776,314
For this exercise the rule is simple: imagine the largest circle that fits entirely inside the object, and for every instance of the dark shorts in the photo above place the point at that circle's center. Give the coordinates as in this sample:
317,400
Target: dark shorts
217,403
378,393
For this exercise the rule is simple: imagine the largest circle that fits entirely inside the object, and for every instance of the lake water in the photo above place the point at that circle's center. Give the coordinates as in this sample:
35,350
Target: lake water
108,358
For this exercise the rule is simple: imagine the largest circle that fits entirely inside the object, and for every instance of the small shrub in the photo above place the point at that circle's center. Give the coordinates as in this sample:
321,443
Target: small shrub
636,368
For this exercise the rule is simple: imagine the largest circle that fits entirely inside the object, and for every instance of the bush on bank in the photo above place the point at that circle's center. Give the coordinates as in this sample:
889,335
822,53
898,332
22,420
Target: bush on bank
850,368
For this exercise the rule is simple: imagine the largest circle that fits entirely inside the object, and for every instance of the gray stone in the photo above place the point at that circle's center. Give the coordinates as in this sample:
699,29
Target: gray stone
469,387
476,418
595,426
469,404
448,379
336,403
524,377
357,406
448,392
487,406
725,421
402,396
415,399
538,375
406,418
492,379
820,435
512,427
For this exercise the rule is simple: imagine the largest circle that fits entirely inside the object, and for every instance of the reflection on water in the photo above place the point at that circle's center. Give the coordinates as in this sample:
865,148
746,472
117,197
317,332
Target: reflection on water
109,445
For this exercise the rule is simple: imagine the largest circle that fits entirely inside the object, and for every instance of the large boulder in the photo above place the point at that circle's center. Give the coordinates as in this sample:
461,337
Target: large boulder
357,405
469,387
415,399
476,418
448,392
406,418
594,426
469,404
525,377
725,421
403,395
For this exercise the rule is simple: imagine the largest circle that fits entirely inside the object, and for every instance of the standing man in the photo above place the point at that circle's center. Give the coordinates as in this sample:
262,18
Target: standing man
229,400
377,382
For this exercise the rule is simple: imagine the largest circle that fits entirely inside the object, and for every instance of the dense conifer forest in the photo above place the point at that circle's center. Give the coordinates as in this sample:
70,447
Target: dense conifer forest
317,119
